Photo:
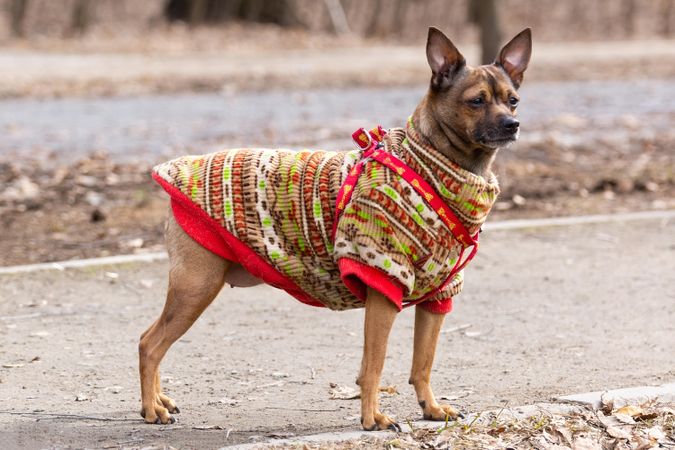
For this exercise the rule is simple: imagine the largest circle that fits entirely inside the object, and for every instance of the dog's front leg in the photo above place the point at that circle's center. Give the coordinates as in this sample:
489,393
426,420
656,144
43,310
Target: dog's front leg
380,315
427,328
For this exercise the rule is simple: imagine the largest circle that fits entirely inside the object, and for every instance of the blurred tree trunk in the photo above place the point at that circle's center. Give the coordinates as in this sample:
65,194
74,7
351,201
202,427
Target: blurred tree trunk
399,17
374,15
197,12
252,9
337,17
391,23
384,17
485,15
629,17
80,17
230,9
18,12
666,13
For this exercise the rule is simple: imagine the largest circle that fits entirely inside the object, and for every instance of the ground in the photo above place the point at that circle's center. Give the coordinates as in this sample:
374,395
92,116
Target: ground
574,315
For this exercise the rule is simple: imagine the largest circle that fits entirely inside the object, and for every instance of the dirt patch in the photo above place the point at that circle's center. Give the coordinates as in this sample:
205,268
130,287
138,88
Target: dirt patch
90,208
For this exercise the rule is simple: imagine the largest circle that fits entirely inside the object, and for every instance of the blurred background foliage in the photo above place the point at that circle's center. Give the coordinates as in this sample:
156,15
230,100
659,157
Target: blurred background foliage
401,21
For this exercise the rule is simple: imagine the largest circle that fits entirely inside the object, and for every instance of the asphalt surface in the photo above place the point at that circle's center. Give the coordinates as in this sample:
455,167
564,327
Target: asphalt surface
154,127
545,312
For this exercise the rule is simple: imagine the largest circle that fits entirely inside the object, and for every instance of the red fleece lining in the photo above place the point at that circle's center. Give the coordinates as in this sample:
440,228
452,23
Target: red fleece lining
358,277
201,231
437,306
207,232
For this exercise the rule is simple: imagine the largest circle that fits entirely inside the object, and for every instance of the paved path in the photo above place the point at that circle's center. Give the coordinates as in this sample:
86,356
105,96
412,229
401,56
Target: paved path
547,311
150,128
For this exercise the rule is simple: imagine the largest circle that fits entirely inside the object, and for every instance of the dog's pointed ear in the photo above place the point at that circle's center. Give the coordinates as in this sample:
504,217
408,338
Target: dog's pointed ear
515,56
444,59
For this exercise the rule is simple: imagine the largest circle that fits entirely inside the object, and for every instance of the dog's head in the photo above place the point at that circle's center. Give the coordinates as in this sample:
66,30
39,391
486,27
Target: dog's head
478,103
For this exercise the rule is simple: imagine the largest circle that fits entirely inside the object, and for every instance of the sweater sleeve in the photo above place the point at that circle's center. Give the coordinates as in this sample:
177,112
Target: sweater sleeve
369,252
441,302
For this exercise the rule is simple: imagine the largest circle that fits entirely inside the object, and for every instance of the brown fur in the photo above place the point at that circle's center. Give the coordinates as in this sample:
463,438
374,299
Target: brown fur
468,131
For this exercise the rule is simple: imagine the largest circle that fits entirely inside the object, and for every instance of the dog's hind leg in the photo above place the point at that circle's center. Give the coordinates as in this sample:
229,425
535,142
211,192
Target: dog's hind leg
380,315
195,278
427,328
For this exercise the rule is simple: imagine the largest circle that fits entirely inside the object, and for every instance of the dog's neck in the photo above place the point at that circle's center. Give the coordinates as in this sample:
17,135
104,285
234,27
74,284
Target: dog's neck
470,156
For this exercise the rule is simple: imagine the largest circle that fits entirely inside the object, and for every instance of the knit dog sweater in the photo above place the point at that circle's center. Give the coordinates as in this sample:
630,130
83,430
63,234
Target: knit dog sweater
274,212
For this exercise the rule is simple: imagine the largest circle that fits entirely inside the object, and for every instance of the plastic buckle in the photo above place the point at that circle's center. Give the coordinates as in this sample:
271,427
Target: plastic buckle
359,136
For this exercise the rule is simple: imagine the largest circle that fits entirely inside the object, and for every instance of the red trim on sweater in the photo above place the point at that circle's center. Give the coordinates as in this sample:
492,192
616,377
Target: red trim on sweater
207,232
437,306
358,276
201,231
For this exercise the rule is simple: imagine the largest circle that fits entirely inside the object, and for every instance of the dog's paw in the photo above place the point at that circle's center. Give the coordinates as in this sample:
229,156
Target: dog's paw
440,413
379,422
157,415
168,403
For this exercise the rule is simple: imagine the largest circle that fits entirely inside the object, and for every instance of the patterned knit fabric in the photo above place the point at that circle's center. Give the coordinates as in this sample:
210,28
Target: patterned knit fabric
281,205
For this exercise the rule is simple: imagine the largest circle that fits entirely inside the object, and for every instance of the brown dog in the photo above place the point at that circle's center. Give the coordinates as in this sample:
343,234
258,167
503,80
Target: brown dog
466,116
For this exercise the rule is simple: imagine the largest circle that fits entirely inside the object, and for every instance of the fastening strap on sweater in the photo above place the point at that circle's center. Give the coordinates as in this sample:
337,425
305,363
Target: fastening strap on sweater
371,144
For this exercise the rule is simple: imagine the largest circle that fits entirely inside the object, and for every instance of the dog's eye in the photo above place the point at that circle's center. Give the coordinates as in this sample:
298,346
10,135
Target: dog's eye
476,101
513,101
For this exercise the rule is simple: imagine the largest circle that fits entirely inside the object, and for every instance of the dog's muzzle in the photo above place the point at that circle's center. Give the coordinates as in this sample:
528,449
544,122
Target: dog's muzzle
510,124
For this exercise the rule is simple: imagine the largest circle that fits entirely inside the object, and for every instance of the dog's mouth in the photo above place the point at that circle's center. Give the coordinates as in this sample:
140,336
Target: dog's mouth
498,141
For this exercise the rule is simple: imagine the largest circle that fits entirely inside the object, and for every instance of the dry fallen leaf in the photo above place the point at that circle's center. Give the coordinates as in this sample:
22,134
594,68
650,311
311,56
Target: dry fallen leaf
644,444
456,395
585,444
559,435
338,392
625,418
629,410
618,433
391,390
607,405
656,433
207,427
637,412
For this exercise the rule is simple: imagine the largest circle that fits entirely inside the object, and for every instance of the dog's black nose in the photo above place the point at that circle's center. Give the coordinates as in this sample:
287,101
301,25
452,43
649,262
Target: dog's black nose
510,124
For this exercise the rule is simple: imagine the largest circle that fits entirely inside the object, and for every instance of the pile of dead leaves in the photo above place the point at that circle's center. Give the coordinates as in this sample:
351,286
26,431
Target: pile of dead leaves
33,184
631,427
89,208
626,428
